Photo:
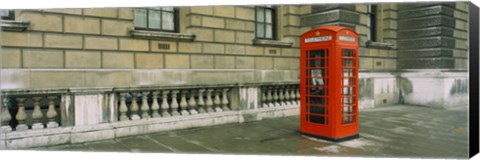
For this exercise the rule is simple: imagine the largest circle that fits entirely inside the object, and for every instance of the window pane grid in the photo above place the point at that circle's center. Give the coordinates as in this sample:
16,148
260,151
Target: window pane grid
158,18
264,22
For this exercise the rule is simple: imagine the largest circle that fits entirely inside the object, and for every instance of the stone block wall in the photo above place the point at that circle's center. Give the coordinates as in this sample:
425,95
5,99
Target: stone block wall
63,48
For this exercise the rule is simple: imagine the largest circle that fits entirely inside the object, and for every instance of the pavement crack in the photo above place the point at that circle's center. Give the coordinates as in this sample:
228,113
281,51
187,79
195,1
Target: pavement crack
163,145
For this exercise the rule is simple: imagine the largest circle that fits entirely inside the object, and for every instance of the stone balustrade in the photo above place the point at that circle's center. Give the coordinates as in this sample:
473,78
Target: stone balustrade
20,111
280,95
135,104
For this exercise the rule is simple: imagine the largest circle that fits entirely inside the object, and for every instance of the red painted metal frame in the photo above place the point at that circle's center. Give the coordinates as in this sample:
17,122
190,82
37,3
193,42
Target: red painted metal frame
334,129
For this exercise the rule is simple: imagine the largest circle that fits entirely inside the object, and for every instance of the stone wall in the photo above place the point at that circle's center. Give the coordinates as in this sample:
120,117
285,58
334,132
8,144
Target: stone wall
64,48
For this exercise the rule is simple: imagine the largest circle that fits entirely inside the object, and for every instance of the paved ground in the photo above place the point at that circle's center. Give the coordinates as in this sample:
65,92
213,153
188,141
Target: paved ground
396,131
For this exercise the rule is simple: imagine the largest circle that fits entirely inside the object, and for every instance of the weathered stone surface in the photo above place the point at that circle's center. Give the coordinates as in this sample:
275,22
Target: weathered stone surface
427,11
82,59
254,50
201,62
426,63
429,52
148,60
36,58
404,6
213,22
206,10
63,41
244,37
213,48
425,32
189,47
11,58
22,39
56,79
224,11
104,43
263,63
65,11
116,27
224,36
101,12
325,7
81,25
234,49
108,78
41,22
429,21
125,13
224,62
427,42
202,34
134,44
242,62
177,61
245,13
117,60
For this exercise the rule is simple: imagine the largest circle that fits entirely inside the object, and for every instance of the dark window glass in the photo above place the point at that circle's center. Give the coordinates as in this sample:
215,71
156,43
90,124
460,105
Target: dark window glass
159,18
372,12
265,22
317,119
6,14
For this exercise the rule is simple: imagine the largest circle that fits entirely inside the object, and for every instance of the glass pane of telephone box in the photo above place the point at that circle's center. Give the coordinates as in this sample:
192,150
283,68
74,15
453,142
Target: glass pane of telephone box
317,54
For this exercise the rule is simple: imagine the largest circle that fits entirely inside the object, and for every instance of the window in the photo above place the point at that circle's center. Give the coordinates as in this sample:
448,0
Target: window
265,22
158,18
372,12
6,14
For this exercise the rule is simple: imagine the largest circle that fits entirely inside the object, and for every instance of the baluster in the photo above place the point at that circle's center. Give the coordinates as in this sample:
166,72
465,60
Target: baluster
269,97
217,102
209,101
191,103
134,107
123,107
287,95
281,96
174,104
183,103
155,106
37,114
297,97
264,97
201,103
145,106
275,96
225,99
292,95
21,115
165,105
5,116
52,112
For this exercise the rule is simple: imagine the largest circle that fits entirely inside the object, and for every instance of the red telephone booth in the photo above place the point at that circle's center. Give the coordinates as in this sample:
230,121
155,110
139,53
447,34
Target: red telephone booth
329,83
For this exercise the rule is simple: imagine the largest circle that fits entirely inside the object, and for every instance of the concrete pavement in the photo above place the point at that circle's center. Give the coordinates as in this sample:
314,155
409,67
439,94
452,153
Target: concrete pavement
394,131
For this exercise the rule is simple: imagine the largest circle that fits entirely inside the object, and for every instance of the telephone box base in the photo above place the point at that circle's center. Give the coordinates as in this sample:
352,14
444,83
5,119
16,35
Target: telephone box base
332,139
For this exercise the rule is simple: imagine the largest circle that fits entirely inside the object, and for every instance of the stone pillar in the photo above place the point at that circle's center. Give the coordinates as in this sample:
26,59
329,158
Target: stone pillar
123,107
183,103
37,114
297,94
155,106
201,103
287,95
209,100
134,107
292,95
52,112
225,99
174,104
5,116
165,105
145,108
191,103
217,101
21,115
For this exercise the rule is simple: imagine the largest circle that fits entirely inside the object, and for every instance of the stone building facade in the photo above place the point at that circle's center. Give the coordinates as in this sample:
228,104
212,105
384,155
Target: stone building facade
90,73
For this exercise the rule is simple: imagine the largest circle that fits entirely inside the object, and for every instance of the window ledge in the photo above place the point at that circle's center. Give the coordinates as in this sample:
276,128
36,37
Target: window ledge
161,35
18,26
271,43
380,45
